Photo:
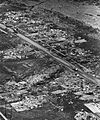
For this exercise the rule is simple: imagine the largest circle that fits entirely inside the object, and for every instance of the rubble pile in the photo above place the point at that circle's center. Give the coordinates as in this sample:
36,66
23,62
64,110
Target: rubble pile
36,79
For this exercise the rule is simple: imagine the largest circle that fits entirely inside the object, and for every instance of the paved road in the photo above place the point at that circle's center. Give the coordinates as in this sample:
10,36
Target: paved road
68,65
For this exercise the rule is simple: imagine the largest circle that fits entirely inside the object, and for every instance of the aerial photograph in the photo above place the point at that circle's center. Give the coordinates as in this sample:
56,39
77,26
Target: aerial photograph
49,59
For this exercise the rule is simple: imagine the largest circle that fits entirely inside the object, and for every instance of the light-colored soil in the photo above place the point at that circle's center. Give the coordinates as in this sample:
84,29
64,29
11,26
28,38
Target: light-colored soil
90,14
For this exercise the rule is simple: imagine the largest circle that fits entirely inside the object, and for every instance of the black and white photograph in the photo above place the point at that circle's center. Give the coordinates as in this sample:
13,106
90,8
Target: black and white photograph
49,59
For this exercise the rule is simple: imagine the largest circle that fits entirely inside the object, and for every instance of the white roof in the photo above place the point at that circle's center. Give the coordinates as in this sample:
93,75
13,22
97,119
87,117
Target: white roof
94,107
